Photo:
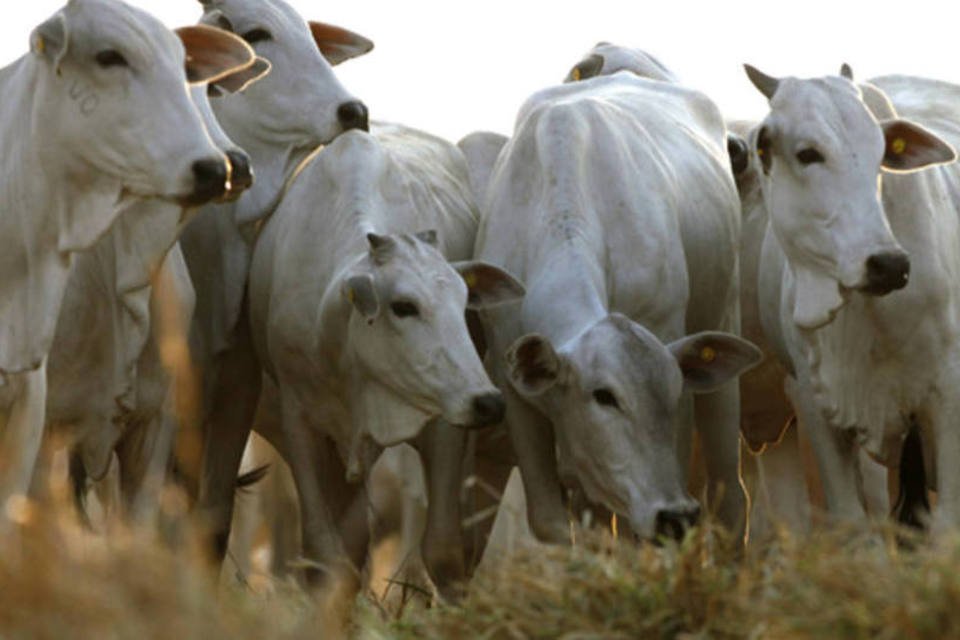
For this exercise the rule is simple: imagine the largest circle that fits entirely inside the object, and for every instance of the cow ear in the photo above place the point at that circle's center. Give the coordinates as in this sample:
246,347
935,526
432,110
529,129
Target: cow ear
487,285
846,71
337,44
533,366
213,53
910,147
710,359
51,39
360,291
240,80
589,67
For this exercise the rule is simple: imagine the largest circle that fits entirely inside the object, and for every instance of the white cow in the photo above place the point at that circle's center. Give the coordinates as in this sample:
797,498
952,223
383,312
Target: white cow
278,122
615,204
95,114
105,378
857,277
361,323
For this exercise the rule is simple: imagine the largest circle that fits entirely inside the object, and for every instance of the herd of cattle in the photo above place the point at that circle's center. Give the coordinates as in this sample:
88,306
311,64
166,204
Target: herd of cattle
578,289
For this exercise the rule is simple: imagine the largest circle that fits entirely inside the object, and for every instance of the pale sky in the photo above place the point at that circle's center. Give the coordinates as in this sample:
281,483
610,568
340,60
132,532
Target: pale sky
455,66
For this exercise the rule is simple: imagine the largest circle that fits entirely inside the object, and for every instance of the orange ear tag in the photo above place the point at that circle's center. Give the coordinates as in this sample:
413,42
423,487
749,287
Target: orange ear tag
41,44
708,354
575,74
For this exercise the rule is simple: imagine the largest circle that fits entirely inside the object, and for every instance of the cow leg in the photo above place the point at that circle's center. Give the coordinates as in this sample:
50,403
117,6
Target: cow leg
946,515
781,497
718,422
234,404
836,457
144,455
306,453
21,439
533,441
442,447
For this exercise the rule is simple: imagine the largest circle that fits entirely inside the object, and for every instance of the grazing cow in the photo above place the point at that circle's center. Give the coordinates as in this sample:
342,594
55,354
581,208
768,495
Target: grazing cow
94,115
278,122
105,378
856,285
614,202
358,316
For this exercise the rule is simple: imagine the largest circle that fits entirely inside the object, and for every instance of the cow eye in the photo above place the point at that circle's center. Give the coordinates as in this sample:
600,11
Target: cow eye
257,35
809,156
606,398
404,309
111,58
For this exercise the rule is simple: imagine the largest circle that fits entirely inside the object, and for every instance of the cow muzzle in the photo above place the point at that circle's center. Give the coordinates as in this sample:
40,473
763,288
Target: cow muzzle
886,272
485,410
209,181
241,175
673,523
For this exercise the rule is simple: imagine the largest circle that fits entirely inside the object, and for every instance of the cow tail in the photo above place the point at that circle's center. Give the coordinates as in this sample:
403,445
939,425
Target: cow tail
78,484
913,505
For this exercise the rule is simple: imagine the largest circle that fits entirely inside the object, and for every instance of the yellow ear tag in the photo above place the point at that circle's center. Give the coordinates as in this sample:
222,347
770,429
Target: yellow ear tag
470,279
575,74
898,146
613,527
708,354
351,296
760,152
41,44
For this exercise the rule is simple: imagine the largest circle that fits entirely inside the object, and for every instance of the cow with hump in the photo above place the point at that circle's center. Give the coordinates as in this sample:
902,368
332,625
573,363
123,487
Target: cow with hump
278,121
614,203
856,287
102,95
358,289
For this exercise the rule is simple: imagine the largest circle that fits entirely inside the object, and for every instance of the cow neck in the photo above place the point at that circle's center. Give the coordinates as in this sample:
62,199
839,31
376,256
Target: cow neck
273,165
567,295
39,225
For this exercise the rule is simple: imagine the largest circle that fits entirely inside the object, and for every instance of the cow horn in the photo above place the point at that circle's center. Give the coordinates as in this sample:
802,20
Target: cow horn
846,71
767,85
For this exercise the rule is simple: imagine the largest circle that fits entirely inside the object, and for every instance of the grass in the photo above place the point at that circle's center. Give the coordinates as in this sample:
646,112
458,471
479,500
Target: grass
58,581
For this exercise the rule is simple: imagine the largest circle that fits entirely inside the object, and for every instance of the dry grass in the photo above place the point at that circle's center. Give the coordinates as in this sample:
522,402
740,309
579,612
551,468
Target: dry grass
57,581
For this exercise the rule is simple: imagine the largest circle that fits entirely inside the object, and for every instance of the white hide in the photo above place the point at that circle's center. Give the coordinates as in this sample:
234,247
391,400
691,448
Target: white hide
79,140
868,363
481,149
614,196
270,123
606,59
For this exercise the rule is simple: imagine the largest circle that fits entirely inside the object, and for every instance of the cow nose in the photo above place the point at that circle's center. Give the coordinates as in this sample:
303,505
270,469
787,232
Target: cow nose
353,115
739,155
241,175
673,523
209,181
886,272
488,409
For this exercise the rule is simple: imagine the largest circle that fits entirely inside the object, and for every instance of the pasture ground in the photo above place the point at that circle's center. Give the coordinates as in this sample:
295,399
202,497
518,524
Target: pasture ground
59,581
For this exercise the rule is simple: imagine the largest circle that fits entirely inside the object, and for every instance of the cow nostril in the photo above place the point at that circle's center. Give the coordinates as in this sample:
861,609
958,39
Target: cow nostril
886,272
488,409
673,523
354,115
209,180
241,176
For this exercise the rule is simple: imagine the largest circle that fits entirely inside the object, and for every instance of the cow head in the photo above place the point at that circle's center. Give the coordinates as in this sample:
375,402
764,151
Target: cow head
240,176
111,92
606,59
613,393
408,336
821,152
301,103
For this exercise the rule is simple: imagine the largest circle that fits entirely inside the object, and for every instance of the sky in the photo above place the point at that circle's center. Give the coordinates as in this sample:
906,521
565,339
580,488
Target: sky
451,67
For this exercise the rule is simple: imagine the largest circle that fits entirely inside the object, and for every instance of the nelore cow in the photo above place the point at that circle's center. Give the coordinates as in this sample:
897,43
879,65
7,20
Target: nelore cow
856,288
95,114
278,121
615,204
127,296
358,290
